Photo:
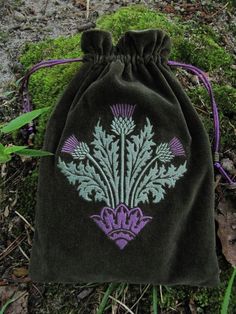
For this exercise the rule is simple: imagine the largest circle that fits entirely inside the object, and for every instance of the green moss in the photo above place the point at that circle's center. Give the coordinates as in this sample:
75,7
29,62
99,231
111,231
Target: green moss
3,37
138,18
226,99
47,85
27,194
202,51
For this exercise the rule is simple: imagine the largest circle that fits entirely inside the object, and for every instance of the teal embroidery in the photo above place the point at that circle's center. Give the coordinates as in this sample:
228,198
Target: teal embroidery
106,152
139,151
89,181
123,167
122,170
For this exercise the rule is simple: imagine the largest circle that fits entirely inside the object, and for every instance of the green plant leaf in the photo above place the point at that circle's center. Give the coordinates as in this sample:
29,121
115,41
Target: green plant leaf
34,153
154,297
4,157
3,309
23,119
13,149
112,286
225,304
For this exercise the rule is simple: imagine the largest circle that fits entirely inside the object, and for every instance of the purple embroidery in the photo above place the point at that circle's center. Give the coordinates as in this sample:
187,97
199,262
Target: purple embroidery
70,144
176,147
79,150
122,171
121,224
123,110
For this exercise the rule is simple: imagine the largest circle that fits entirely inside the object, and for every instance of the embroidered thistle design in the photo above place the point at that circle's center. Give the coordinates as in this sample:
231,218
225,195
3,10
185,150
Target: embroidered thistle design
123,170
78,150
122,124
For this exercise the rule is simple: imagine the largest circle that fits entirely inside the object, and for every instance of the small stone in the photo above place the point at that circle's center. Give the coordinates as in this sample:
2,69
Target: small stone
233,226
228,165
19,17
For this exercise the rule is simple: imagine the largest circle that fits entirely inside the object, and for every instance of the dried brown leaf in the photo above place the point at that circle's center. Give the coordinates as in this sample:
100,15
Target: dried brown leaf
20,272
227,228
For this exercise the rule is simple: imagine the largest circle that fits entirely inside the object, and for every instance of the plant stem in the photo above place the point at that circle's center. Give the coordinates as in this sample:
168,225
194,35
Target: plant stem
225,304
138,180
109,290
122,167
111,199
155,306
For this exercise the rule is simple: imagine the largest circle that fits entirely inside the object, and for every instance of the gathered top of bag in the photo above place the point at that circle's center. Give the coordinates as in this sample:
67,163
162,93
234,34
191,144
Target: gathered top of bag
133,46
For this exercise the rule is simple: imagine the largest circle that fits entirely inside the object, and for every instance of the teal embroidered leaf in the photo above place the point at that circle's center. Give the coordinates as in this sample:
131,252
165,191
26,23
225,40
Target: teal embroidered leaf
155,182
106,152
69,170
90,184
139,151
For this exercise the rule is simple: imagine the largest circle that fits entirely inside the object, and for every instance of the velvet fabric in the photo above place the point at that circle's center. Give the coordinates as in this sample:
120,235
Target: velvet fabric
128,195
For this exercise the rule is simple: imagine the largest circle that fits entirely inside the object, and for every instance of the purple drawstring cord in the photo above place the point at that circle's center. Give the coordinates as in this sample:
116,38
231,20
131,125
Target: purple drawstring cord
191,68
208,86
38,66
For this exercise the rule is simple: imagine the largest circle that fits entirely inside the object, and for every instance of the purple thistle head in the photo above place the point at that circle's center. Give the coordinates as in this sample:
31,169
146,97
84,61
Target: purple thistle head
123,110
70,144
77,149
122,122
176,147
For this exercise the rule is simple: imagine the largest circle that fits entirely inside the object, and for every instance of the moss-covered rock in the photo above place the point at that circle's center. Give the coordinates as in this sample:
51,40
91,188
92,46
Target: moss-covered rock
202,51
139,17
47,85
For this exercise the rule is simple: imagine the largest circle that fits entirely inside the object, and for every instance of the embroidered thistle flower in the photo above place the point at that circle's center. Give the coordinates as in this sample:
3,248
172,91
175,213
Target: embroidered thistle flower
122,122
78,150
176,147
165,152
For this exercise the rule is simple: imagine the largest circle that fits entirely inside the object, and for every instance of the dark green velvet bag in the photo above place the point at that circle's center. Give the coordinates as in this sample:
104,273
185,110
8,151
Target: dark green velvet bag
129,193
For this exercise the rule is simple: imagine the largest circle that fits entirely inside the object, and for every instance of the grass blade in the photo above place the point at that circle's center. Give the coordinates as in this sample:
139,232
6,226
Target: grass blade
225,304
3,309
22,120
155,305
102,305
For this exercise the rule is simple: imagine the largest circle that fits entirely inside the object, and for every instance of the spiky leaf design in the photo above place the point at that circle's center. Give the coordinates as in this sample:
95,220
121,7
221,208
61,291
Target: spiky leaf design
156,180
139,151
90,183
106,152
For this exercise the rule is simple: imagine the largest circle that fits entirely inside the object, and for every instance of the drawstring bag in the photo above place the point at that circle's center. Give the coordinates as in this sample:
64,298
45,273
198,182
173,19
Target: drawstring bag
129,193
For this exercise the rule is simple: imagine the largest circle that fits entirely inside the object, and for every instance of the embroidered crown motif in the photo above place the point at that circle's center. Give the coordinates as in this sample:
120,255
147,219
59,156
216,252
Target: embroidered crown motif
122,170
121,224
